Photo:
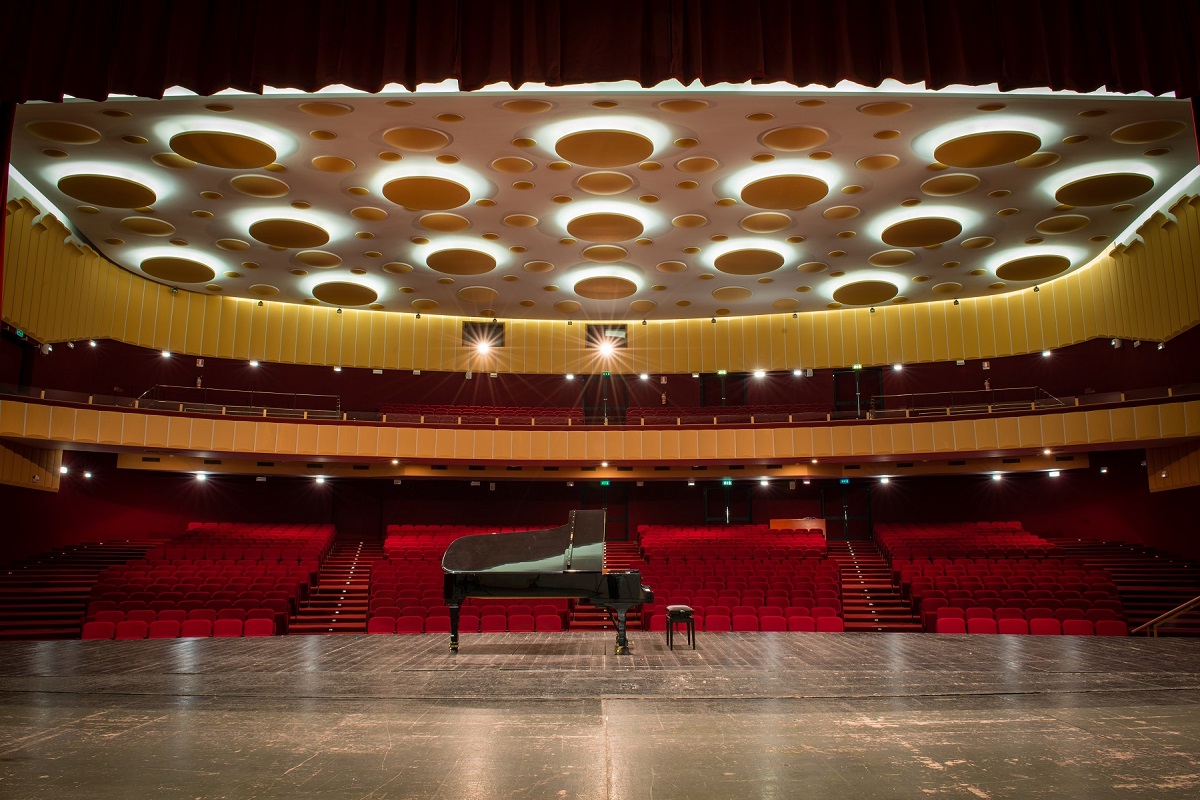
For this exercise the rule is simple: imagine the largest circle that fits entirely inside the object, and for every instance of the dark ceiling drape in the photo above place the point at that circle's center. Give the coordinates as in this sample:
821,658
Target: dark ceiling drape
93,48
140,47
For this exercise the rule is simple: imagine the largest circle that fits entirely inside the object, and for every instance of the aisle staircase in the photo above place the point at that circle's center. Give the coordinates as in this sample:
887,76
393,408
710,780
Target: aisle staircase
618,556
338,603
870,602
45,596
1149,582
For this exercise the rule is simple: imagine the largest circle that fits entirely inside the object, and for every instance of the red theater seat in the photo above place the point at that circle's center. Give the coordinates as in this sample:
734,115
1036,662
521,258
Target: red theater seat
1016,625
410,624
98,630
951,625
131,629
802,623
521,623
1111,627
547,622
830,625
227,629
381,625
259,627
1078,627
981,625
1045,626
163,629
195,629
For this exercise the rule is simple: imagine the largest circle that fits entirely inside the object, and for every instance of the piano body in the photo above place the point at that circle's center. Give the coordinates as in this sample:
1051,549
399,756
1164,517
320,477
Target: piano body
567,561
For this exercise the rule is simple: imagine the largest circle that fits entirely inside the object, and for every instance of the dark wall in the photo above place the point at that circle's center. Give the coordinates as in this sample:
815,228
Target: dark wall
116,368
1116,505
133,504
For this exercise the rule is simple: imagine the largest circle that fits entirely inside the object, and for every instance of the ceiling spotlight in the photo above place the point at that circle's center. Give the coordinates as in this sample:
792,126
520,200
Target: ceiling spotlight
320,479
166,353
1036,289
760,373
795,315
570,483
493,320
1054,473
339,311
570,376
695,374
644,376
713,320
606,348
814,461
996,476
763,482
872,309
1104,470
1046,452
254,363
260,303
643,322
395,461
807,482
337,369
796,373
1045,354
92,343
418,316
885,479
200,476
604,463
87,474
1161,345
70,345
691,482
956,301
483,348
897,367
63,469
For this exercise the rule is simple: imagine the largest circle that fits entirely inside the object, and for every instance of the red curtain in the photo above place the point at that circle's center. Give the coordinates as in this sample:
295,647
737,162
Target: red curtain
142,47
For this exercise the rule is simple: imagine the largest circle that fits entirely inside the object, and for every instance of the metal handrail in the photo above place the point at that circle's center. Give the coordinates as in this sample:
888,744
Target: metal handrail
1153,625
246,398
965,401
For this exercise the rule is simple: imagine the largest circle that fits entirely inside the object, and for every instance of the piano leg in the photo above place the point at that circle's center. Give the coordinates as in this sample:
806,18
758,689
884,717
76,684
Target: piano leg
454,628
622,642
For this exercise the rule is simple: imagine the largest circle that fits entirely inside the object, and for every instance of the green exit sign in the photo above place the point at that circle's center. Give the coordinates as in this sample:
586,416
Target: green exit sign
727,482
606,374
844,481
604,483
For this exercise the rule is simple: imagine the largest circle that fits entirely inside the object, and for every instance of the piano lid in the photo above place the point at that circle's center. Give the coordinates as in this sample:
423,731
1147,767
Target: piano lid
576,546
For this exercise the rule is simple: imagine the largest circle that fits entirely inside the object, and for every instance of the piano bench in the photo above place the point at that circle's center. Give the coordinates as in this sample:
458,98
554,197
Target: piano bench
681,615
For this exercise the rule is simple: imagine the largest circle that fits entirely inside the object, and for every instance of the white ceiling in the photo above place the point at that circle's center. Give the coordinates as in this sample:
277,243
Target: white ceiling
614,205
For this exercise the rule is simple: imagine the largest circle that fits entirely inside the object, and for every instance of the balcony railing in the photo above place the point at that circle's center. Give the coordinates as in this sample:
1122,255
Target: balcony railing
243,403
973,401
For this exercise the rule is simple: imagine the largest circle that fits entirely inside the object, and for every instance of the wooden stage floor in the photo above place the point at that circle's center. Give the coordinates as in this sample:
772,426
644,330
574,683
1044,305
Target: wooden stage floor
870,716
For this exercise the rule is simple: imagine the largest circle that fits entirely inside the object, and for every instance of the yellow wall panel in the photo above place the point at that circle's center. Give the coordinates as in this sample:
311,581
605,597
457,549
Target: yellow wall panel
133,429
179,434
406,442
62,424
1053,430
705,444
963,435
266,437
222,436
860,440
1075,428
87,425
842,441
1146,422
822,442
922,434
243,436
555,447
306,440
943,437
111,425
37,422
670,444
1123,424
902,438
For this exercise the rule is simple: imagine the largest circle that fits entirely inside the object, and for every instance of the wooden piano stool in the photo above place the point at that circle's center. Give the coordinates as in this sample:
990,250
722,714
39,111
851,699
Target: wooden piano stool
681,615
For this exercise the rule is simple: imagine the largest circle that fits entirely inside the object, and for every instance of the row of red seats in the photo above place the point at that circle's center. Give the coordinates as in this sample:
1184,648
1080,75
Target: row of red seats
930,615
173,629
747,623
636,412
467,623
1038,627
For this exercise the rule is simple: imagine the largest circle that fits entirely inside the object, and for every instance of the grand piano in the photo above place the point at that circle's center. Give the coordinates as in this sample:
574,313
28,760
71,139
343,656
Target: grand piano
567,561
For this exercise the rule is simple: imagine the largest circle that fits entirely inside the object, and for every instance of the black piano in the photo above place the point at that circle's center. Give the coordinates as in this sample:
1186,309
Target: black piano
567,561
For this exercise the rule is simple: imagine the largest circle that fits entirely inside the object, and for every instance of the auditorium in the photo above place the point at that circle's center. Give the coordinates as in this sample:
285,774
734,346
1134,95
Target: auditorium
647,398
